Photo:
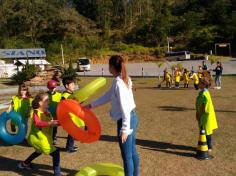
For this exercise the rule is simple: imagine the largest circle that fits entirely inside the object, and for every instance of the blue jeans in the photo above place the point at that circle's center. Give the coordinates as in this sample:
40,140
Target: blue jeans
209,141
128,149
54,133
69,142
55,157
218,80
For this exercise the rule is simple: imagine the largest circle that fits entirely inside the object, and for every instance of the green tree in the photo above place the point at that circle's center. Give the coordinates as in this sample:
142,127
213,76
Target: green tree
69,72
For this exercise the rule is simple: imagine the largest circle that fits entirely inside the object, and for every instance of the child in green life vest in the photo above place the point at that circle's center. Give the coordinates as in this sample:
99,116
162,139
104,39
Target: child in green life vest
21,103
69,85
40,137
54,99
205,112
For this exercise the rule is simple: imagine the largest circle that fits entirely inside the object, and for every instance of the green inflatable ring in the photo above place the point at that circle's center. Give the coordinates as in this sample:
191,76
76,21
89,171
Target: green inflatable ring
108,169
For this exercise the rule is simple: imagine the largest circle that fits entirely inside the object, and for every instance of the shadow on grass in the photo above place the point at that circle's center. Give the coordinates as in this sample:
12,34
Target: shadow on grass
158,146
185,154
62,137
23,144
9,164
164,88
178,108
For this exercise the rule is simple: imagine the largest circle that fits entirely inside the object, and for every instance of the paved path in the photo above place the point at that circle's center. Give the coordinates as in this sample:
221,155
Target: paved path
152,69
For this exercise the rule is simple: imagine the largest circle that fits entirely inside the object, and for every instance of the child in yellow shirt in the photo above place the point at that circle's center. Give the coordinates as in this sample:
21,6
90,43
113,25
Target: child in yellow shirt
177,75
195,79
186,78
40,136
200,72
21,103
205,113
168,79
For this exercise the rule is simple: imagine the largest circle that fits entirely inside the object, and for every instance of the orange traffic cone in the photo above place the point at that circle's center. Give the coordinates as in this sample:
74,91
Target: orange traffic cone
202,148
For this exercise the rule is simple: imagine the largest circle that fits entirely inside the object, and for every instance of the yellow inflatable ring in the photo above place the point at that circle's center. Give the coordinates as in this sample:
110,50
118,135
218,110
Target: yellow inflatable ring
88,90
108,169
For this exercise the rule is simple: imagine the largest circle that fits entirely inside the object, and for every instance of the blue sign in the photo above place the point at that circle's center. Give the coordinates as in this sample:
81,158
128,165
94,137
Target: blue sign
23,53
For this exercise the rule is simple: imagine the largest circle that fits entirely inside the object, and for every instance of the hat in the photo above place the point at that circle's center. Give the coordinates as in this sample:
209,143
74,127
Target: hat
52,84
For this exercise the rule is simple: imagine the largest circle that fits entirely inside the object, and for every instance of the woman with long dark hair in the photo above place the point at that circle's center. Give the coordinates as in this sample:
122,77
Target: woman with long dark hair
123,112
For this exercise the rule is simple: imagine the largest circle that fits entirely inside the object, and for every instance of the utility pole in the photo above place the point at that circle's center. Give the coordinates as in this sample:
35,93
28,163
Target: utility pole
62,55
168,44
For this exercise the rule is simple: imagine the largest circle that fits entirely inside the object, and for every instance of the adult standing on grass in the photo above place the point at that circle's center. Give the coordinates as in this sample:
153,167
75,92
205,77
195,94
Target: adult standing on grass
204,66
218,70
123,112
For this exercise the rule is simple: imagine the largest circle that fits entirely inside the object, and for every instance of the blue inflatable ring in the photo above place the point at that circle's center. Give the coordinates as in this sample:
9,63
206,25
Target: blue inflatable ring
19,121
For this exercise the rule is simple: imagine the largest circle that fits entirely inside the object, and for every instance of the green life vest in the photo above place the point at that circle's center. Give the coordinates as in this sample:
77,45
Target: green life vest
41,139
208,118
54,99
22,105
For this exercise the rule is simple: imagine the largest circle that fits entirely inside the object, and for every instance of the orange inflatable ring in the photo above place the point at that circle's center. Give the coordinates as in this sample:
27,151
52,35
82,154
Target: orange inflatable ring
67,107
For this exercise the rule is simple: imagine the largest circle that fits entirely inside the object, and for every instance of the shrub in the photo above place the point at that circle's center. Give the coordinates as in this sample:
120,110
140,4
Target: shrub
119,47
28,72
19,78
69,72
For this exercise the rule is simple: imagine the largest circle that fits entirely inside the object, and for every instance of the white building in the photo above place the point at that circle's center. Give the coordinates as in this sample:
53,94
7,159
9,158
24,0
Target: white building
7,70
19,57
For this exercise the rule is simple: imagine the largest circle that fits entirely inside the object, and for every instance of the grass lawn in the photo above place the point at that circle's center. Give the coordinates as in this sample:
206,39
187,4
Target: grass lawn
167,136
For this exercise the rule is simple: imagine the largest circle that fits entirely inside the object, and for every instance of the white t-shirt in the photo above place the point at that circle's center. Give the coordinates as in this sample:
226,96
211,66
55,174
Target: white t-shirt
122,102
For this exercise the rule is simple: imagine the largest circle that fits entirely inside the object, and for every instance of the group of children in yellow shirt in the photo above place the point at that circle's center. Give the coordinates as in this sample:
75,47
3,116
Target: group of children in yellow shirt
42,112
184,76
43,115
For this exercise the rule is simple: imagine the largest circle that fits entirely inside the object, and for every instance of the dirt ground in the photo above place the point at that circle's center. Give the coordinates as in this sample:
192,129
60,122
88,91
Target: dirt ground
167,136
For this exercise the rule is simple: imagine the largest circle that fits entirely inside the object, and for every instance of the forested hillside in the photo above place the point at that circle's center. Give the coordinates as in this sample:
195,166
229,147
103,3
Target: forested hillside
101,27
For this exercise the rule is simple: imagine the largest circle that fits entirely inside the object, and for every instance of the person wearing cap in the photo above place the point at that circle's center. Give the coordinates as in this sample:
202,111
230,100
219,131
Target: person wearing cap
54,99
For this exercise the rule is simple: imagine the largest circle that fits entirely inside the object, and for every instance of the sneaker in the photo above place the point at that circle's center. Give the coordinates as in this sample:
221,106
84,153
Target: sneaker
71,150
22,165
75,147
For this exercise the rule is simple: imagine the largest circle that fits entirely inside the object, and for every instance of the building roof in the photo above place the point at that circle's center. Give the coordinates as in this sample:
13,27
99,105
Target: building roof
31,62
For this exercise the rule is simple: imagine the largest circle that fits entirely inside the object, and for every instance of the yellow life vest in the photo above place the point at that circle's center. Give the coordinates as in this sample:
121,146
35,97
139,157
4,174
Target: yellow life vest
54,99
208,118
41,139
21,105
66,95
195,78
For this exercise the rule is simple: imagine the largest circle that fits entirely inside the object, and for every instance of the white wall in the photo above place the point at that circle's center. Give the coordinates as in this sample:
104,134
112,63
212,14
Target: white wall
7,70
